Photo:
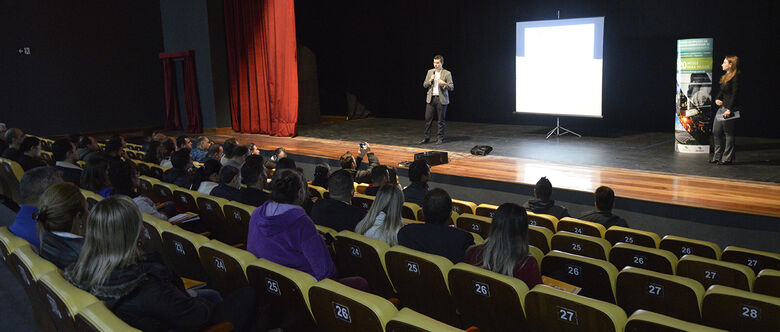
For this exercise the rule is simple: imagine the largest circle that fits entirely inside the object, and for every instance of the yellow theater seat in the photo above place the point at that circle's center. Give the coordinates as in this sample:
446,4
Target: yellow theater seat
461,207
617,234
543,220
647,321
675,296
181,248
737,310
710,272
474,223
284,293
540,237
408,320
658,260
579,244
768,283
237,217
64,299
557,310
410,210
97,318
486,210
488,300
337,307
583,227
595,276
755,259
681,246
358,255
225,266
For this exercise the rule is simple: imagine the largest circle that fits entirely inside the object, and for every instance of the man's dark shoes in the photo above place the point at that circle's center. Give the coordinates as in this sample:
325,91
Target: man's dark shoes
423,141
724,162
714,161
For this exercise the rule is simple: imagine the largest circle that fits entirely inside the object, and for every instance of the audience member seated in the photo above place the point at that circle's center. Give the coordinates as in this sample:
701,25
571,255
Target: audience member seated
229,183
33,184
14,138
253,175
352,164
209,176
383,219
541,203
180,173
141,290
215,152
168,149
238,157
200,151
148,139
321,174
74,138
279,154
392,177
88,148
183,142
337,211
227,148
434,236
3,143
62,212
605,201
280,230
124,180
115,150
95,176
154,153
506,250
380,177
419,174
253,149
30,154
65,157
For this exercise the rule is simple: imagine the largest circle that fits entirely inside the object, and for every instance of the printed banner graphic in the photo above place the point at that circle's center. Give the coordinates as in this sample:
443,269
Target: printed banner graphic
693,118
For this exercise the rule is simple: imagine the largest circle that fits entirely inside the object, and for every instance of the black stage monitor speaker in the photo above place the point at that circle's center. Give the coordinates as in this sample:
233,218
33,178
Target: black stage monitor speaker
433,158
481,150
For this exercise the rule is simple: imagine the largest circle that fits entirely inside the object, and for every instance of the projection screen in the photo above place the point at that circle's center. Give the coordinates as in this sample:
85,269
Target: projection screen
558,67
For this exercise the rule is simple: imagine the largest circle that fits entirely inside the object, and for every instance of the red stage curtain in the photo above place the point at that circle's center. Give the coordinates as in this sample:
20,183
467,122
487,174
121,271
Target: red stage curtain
261,50
191,100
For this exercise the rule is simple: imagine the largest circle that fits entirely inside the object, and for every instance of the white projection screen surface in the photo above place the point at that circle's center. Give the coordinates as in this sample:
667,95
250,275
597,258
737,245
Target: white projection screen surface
559,66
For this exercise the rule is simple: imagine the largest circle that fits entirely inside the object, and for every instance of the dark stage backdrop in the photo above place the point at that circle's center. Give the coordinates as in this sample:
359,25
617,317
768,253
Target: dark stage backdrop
93,65
380,51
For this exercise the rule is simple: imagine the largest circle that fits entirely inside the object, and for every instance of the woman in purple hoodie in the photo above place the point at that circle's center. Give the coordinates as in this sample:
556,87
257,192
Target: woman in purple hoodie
281,232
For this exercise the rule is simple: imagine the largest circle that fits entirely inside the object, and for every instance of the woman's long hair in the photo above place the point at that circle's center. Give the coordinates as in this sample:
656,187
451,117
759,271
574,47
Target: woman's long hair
95,174
733,71
288,187
389,199
508,241
59,206
111,241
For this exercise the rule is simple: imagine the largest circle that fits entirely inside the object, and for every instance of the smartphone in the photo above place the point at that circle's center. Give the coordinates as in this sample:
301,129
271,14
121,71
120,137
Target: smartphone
363,145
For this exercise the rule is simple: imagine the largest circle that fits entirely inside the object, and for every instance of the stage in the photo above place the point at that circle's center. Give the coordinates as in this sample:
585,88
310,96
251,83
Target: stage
638,166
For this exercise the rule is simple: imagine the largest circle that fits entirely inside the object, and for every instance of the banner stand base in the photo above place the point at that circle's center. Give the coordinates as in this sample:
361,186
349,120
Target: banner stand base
697,149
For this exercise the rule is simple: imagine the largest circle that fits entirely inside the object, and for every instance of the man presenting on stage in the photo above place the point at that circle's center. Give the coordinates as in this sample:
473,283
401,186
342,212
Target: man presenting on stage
438,81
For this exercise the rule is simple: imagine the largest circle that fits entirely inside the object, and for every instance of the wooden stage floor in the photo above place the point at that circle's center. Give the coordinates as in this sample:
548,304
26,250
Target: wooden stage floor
741,196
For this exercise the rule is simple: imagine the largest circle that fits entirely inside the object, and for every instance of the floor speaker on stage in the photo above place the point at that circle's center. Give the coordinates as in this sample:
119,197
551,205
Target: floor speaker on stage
433,158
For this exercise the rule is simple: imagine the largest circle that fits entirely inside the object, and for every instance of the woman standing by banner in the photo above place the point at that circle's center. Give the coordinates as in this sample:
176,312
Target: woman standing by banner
723,125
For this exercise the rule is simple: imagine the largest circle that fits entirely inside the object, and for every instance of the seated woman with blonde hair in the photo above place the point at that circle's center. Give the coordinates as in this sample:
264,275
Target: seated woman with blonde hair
62,211
383,219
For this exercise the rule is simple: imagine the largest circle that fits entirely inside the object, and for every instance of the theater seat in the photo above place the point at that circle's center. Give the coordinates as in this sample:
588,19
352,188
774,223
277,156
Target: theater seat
11,173
486,210
543,220
410,210
461,207
337,307
225,266
675,296
47,157
211,215
596,277
488,300
583,227
408,320
28,268
737,310
181,248
142,167
358,255
768,283
450,220
360,188
91,197
617,234
146,186
284,293
658,260
421,282
185,200
755,259
237,217
681,246
9,242
362,201
550,309
536,253
97,318
64,300
151,234
163,191
474,223
156,171
579,244
648,321
540,237
317,191
710,272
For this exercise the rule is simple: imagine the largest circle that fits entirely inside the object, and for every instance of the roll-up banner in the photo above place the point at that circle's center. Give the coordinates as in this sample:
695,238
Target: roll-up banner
693,118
